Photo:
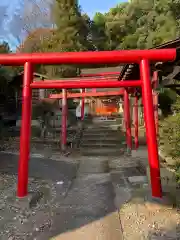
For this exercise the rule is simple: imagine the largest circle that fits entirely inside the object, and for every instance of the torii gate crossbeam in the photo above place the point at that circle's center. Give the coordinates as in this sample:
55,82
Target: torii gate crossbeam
141,57
87,94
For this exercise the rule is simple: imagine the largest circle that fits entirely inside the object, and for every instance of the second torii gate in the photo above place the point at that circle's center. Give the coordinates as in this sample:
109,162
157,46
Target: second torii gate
66,95
141,57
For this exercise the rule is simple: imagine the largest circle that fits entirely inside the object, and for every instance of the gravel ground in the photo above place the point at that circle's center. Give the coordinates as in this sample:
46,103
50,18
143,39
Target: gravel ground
46,149
65,203
142,218
149,220
48,185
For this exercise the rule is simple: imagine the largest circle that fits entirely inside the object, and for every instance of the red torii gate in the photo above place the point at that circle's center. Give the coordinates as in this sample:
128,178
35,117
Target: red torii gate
82,95
86,94
100,75
155,98
141,57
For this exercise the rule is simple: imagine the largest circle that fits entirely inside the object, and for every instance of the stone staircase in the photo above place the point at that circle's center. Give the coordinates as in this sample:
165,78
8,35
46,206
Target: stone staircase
102,139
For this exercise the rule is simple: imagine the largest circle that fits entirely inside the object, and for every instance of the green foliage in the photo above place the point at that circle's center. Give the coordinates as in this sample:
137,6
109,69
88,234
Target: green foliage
4,47
177,172
98,29
6,72
166,99
71,34
130,25
176,105
138,24
170,135
170,128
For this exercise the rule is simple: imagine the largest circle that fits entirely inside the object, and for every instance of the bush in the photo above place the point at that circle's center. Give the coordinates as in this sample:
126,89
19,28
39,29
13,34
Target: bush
170,131
170,135
177,172
166,99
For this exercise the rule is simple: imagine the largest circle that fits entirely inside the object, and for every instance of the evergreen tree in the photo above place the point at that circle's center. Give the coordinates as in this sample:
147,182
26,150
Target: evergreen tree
72,30
71,34
139,24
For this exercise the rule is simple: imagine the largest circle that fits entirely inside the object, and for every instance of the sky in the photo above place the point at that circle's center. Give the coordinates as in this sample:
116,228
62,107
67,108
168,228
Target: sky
92,6
88,6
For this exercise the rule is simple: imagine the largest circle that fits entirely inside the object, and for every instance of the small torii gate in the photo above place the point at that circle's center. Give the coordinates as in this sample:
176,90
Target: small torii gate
141,57
65,95
93,93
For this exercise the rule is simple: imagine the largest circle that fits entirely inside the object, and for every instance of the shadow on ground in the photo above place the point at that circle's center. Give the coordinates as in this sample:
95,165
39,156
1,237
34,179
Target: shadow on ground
81,200
61,201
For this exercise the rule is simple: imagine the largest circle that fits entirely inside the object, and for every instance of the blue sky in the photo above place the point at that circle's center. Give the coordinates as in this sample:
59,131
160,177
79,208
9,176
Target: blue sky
88,6
92,6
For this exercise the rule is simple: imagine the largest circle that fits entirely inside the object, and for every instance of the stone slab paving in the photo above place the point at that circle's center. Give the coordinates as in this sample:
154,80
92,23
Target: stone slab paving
66,200
106,228
92,200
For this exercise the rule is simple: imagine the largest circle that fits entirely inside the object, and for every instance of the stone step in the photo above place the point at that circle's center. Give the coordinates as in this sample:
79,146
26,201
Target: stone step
93,167
98,152
106,122
100,129
102,140
103,133
105,138
101,145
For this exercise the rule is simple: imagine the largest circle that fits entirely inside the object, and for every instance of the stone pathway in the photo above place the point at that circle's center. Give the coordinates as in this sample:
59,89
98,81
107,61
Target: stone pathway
88,197
66,200
90,202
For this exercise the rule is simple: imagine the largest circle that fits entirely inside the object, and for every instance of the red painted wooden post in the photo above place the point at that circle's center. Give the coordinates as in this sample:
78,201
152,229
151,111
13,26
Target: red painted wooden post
82,104
22,188
150,130
64,120
136,123
156,115
127,119
155,100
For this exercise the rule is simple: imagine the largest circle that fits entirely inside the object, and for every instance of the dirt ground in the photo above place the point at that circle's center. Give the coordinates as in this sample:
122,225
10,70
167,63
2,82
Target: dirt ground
48,185
64,197
82,198
150,221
